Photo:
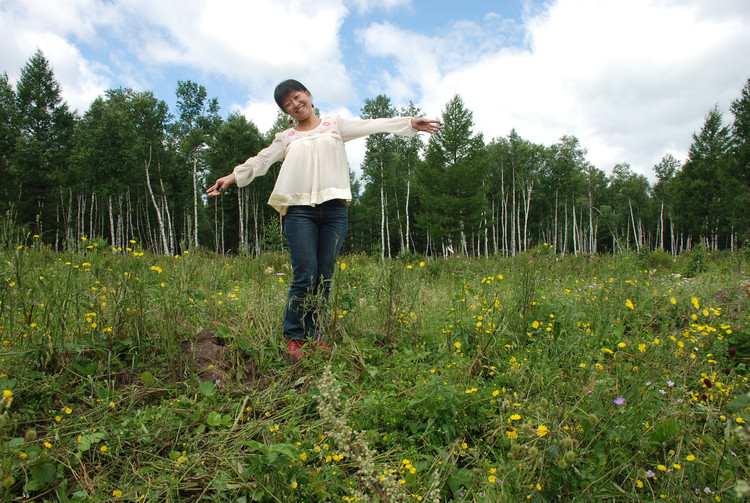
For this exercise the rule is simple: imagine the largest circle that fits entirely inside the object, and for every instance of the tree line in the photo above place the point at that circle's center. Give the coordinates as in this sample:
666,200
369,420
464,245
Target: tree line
130,171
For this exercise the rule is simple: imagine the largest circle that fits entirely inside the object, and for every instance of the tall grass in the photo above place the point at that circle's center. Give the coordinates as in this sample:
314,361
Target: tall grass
134,377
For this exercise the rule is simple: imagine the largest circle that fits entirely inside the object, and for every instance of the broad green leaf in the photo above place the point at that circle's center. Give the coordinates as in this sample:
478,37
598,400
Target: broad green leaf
742,402
213,418
207,388
148,379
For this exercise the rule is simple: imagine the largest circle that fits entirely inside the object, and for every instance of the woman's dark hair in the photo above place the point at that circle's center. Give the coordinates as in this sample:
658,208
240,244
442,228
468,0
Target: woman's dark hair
284,89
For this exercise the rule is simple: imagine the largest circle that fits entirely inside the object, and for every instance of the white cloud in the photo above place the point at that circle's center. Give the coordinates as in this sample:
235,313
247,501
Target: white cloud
251,44
261,113
50,27
632,79
365,6
81,80
256,44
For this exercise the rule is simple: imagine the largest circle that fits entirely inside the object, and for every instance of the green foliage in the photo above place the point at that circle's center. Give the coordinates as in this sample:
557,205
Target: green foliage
43,145
540,376
702,203
66,177
696,260
450,179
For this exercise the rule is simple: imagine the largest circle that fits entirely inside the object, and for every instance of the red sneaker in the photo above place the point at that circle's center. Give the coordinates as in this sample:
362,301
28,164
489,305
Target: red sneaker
295,347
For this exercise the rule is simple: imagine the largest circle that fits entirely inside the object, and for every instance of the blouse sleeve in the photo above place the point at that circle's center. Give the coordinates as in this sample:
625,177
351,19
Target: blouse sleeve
259,164
352,129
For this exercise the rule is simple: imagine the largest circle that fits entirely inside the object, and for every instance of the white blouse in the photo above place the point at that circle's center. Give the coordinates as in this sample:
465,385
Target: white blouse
315,168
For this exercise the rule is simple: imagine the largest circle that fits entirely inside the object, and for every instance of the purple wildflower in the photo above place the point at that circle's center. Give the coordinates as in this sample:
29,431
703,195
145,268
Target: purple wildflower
620,400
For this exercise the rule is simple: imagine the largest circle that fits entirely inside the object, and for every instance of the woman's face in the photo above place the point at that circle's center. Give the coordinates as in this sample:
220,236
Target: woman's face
298,104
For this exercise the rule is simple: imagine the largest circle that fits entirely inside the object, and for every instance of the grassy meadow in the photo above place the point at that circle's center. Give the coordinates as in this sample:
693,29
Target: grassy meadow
133,377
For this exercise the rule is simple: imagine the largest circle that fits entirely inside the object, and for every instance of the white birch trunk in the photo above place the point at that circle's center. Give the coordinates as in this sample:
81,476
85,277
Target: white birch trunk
170,226
406,209
527,211
513,241
504,212
111,223
195,201
382,216
575,228
555,235
157,209
635,231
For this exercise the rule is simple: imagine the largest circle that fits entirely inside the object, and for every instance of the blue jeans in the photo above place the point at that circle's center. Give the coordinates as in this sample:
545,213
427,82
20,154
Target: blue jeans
314,237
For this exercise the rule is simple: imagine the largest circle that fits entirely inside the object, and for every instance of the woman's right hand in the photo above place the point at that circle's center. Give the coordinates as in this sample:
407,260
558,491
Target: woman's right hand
221,185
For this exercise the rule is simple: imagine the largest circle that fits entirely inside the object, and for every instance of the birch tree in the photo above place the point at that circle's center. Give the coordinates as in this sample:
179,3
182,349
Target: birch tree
379,165
198,120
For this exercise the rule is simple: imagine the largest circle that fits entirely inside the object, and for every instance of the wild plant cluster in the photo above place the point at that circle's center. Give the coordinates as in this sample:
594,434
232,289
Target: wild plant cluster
128,376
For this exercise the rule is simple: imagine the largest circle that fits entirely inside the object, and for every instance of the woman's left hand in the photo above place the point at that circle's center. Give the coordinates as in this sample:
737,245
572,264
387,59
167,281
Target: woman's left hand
425,125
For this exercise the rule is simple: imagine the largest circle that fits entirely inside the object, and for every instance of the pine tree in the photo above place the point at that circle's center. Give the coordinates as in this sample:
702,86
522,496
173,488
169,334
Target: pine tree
8,137
450,181
741,168
741,134
42,150
702,190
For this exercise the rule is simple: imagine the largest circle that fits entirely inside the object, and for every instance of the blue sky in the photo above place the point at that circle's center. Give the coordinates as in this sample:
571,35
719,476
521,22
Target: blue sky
632,79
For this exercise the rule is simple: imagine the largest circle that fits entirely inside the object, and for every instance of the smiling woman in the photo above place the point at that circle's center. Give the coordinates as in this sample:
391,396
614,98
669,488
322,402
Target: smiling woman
312,193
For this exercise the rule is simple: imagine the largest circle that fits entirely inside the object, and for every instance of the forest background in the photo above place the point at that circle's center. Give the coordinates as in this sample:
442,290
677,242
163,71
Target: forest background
130,170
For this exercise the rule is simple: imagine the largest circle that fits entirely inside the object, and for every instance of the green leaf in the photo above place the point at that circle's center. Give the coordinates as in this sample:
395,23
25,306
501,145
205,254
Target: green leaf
287,450
665,431
459,479
44,472
618,331
742,402
7,383
33,485
148,379
213,419
243,343
253,445
208,388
